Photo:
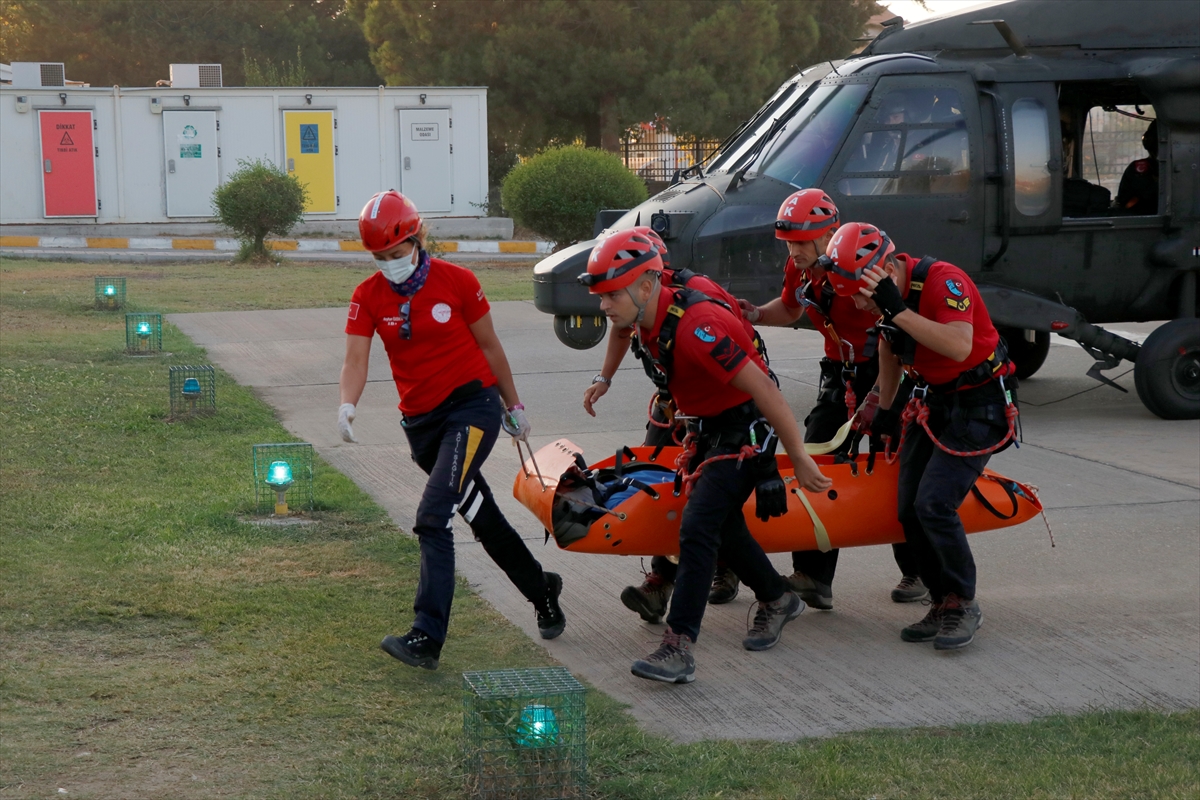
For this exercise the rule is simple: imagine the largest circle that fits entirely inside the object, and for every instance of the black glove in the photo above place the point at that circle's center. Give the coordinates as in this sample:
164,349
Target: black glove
887,297
770,499
886,423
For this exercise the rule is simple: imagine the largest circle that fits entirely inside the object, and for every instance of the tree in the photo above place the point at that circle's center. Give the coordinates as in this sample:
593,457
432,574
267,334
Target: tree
561,70
107,42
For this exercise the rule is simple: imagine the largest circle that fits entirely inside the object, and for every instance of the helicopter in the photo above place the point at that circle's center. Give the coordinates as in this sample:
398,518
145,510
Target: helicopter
965,137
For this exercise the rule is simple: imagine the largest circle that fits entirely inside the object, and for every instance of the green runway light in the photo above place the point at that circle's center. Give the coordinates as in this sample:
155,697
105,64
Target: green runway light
143,329
191,388
537,727
279,478
110,291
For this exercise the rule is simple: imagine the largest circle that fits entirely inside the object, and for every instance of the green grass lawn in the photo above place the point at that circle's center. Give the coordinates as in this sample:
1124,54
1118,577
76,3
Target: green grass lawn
154,642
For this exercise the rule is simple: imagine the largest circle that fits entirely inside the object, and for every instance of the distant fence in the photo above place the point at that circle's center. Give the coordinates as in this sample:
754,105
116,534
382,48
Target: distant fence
658,161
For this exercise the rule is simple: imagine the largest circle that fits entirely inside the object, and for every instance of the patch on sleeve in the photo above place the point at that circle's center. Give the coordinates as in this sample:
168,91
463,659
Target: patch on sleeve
728,354
353,311
705,335
955,287
959,305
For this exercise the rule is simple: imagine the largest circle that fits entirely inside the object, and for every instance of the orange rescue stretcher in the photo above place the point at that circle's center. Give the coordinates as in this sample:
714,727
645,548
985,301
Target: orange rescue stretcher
859,509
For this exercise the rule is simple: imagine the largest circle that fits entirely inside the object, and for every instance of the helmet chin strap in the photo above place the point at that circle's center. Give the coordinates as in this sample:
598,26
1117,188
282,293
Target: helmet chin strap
641,307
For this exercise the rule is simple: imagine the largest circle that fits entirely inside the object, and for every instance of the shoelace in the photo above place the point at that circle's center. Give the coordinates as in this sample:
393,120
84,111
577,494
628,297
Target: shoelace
417,638
762,617
671,644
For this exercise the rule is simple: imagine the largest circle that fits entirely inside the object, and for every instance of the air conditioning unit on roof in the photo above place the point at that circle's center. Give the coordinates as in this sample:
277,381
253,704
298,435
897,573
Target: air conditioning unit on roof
37,74
195,76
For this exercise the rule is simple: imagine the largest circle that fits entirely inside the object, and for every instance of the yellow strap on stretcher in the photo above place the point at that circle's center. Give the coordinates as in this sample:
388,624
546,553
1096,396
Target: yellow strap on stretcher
822,448
818,527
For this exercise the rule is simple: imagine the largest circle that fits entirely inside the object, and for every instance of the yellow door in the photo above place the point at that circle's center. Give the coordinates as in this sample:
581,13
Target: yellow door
308,139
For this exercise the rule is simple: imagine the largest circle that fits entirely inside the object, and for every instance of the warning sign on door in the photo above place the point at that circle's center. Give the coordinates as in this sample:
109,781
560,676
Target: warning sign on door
309,142
66,141
189,151
425,131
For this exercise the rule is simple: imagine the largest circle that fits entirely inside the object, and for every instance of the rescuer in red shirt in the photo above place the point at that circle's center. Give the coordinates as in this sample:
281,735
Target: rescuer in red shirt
707,362
456,391
936,329
650,599
806,223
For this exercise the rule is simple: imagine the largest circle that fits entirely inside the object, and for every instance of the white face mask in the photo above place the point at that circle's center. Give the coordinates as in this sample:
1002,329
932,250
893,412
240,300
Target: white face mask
399,270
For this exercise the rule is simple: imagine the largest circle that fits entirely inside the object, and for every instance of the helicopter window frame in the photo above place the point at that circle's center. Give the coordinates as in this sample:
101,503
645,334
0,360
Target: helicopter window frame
898,174
1032,174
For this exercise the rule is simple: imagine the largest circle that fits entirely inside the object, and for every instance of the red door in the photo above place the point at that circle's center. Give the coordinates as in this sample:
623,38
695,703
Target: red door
68,163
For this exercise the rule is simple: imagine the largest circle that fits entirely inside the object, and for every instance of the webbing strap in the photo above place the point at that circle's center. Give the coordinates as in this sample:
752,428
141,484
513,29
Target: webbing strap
819,531
1012,496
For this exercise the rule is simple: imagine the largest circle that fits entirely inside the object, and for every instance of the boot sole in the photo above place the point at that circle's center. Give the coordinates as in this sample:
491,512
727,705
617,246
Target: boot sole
632,599
917,638
391,648
650,676
906,598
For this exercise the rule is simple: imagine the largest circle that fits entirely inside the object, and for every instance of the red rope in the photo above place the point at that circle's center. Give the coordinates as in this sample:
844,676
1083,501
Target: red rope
650,414
689,452
919,411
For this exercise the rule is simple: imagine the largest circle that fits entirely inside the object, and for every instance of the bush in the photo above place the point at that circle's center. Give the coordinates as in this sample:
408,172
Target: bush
259,199
558,192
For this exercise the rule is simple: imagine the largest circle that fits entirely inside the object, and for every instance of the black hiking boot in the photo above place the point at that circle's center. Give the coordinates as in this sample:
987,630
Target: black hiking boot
414,648
672,662
650,599
770,619
724,587
910,589
927,629
960,619
550,618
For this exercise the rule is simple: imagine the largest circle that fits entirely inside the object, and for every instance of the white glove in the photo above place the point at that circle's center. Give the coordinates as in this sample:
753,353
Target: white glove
516,424
345,417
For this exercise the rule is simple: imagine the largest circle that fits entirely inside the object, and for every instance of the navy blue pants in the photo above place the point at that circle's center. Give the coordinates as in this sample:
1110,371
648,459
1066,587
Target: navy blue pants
712,520
450,444
932,485
821,425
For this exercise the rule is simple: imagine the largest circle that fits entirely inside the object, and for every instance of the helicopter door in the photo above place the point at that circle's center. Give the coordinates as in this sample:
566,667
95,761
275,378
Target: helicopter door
913,165
1025,213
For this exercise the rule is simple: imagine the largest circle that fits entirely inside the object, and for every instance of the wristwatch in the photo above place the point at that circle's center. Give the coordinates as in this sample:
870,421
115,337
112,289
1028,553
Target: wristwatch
602,379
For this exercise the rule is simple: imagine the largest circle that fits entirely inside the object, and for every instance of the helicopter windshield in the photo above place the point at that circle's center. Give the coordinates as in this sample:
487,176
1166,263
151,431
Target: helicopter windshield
801,150
782,105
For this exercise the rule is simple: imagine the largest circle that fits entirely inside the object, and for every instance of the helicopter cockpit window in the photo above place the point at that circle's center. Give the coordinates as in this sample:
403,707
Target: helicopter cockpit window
1120,153
1031,156
916,144
801,150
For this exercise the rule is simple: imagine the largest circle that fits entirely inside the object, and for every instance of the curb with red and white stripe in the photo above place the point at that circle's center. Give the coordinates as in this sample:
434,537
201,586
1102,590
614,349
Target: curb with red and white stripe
228,245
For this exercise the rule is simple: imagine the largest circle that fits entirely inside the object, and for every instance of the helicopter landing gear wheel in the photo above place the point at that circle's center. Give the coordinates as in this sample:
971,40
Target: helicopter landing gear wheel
580,332
1167,372
1028,356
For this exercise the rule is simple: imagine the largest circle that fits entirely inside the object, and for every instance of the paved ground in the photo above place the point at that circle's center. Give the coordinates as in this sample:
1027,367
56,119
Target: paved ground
1110,618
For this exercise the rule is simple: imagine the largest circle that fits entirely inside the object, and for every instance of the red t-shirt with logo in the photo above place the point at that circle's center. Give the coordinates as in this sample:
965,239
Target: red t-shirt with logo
711,347
442,353
950,296
851,325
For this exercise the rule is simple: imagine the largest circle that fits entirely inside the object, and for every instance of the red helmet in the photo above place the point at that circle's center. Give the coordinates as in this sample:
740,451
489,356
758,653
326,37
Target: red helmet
658,242
619,259
387,219
855,248
806,215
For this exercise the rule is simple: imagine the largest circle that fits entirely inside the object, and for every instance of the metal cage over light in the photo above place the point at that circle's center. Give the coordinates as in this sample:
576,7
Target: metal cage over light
283,476
192,390
526,732
109,292
143,334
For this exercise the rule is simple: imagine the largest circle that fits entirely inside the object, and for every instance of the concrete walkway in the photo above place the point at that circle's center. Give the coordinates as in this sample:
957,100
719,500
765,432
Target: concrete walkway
1110,618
